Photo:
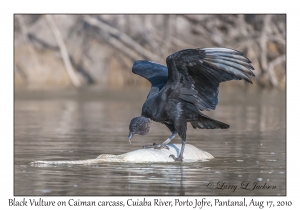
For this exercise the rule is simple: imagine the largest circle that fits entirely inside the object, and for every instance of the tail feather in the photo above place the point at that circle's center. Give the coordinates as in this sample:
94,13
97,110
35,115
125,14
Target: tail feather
208,123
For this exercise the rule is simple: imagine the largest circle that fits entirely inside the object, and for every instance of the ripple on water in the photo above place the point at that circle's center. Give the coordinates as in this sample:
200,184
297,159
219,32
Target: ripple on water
72,128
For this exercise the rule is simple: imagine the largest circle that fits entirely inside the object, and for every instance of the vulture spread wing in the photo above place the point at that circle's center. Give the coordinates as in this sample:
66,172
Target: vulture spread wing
156,73
196,73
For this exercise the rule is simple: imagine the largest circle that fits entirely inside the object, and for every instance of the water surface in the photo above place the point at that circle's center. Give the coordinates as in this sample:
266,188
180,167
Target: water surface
69,125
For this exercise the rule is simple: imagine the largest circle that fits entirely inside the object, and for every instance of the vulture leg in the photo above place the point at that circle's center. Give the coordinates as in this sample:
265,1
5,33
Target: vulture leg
180,157
162,145
180,126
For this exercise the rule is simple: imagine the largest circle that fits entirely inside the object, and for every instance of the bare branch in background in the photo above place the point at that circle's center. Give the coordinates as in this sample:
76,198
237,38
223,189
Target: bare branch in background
197,18
243,25
63,51
169,20
271,72
28,42
263,41
157,35
123,48
122,37
261,38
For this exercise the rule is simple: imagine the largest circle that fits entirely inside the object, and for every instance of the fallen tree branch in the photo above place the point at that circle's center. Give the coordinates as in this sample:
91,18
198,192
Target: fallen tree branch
123,48
271,72
263,42
29,43
170,19
197,18
157,35
124,38
63,51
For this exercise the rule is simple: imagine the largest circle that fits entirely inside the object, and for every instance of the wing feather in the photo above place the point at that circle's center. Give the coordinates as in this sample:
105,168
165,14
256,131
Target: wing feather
155,73
202,70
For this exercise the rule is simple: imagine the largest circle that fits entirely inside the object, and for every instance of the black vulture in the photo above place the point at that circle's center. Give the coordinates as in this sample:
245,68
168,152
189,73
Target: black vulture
188,85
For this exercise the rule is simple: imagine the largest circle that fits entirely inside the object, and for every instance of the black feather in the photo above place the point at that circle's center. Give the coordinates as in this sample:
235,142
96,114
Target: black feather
155,73
189,84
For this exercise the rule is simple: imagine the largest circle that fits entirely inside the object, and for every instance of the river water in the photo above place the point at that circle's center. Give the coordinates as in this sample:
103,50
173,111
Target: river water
249,158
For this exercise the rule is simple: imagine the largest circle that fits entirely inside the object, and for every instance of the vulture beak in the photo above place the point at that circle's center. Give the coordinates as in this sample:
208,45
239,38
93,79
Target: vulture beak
130,136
